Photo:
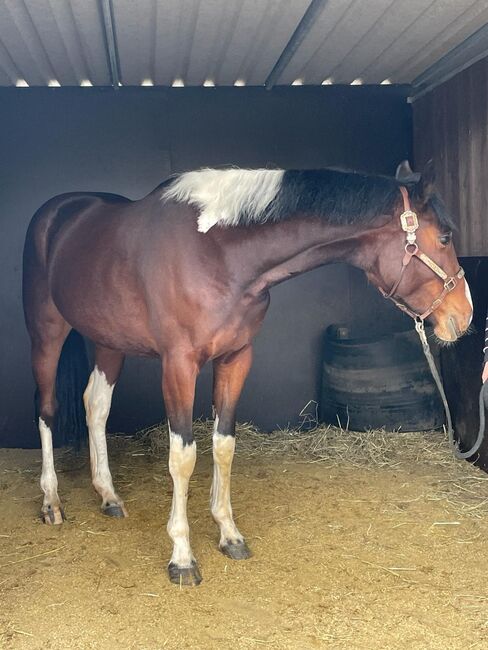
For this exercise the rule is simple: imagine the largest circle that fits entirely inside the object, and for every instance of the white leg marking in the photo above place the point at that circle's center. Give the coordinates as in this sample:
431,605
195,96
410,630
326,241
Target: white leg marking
49,480
223,454
98,398
469,299
181,464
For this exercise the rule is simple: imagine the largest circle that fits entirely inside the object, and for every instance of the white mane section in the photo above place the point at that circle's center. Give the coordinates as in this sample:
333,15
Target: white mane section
225,195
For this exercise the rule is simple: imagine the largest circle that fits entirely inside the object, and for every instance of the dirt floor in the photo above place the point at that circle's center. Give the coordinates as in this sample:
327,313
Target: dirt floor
370,556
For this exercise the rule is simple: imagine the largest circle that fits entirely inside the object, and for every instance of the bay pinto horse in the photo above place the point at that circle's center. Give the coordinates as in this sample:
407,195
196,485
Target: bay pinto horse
184,275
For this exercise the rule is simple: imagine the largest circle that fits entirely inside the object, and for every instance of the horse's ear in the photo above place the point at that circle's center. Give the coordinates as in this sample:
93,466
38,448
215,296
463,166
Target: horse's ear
404,173
427,181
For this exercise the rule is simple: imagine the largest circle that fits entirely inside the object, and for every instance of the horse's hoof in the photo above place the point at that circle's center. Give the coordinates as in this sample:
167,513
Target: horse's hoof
52,515
236,550
185,576
114,510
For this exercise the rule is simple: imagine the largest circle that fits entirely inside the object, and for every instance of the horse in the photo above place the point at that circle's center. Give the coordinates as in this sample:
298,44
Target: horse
184,274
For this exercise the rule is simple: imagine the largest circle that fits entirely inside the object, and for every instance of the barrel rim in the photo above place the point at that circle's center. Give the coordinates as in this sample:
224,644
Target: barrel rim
379,338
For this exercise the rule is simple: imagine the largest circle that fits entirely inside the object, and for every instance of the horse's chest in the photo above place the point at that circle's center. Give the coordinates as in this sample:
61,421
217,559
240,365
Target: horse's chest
238,327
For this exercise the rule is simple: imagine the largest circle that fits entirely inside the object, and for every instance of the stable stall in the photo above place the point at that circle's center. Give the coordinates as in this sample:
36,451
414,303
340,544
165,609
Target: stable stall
360,539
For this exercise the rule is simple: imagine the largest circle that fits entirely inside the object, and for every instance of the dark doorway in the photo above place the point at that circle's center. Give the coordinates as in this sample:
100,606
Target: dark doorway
462,363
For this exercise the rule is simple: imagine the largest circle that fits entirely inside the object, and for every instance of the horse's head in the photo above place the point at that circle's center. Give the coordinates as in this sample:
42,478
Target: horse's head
416,264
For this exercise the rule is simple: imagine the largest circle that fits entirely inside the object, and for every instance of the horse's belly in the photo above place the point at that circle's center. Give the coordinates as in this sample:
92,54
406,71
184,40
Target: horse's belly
106,318
121,333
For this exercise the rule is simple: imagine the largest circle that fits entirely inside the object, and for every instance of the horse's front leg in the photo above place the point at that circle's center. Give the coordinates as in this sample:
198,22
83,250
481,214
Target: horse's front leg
230,372
179,376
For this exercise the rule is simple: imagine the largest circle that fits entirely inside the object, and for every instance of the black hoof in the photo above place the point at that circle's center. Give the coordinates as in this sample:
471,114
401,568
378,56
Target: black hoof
186,576
53,516
236,550
114,510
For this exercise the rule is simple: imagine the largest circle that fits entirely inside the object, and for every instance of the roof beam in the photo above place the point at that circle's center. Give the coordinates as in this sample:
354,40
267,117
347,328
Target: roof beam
472,49
296,39
107,10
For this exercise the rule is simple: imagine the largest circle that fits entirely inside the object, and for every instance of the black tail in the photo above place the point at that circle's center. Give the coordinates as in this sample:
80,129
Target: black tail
71,380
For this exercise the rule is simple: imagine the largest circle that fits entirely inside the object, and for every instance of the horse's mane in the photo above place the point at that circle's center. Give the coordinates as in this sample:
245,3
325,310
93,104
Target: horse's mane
438,206
241,197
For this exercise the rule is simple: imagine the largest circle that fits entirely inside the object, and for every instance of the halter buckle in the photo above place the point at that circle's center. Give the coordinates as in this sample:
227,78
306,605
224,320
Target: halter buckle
450,284
410,224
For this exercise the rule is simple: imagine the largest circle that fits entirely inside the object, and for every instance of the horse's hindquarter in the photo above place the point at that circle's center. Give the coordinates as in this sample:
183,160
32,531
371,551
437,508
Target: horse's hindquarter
92,274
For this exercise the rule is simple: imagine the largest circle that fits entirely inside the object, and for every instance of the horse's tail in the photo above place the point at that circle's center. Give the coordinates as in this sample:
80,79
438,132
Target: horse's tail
71,380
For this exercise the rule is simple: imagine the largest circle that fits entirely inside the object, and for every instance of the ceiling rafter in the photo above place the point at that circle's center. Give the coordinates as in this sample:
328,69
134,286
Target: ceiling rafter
297,38
107,10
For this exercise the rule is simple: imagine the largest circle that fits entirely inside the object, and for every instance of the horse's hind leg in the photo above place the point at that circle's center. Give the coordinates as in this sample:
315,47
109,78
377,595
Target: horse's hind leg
98,398
46,350
230,373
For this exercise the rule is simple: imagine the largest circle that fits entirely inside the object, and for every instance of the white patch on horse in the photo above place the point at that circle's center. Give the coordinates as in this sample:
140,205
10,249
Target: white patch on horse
98,398
181,464
223,454
49,480
224,196
467,291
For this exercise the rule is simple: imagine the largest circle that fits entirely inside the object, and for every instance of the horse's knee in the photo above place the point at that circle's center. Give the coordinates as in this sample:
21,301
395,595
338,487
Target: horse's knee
182,455
97,398
223,449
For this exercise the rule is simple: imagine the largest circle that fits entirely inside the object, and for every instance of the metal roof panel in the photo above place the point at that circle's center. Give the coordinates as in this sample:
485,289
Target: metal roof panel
158,41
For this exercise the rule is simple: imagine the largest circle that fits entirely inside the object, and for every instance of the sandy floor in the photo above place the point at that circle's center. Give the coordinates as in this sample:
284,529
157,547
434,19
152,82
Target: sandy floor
343,558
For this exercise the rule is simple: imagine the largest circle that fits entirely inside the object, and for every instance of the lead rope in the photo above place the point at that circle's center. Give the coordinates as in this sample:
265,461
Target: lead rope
419,327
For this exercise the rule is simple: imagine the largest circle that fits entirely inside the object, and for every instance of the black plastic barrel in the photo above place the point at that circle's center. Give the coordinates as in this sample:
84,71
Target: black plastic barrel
380,382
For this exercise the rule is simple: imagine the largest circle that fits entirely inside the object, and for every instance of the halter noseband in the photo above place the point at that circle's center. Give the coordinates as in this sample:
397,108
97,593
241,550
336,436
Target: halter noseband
410,224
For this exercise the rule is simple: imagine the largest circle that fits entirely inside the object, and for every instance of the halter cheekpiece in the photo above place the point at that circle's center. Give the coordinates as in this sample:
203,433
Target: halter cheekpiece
410,224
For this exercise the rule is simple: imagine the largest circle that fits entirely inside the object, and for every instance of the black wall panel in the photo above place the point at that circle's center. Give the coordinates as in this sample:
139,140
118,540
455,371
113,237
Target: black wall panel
57,140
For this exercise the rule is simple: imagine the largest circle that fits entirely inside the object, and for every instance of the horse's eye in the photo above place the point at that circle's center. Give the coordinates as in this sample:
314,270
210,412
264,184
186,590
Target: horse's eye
445,239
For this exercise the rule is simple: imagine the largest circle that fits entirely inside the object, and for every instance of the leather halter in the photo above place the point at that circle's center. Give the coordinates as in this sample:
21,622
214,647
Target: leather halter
410,224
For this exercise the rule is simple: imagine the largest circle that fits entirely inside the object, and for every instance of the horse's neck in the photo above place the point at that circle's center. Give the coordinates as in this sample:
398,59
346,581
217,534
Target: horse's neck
272,253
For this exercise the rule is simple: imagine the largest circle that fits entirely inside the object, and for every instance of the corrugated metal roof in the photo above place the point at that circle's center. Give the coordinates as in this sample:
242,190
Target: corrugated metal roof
221,42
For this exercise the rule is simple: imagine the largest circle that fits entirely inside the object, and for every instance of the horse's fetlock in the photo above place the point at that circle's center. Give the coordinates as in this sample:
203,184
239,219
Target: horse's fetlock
220,514
178,531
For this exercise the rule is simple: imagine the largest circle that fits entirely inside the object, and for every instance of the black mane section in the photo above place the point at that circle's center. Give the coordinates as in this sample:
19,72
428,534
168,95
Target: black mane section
344,198
445,220
340,197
